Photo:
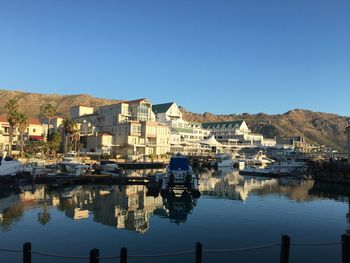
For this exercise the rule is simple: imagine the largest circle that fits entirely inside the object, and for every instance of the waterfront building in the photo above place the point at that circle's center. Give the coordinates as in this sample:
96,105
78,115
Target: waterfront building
35,132
100,142
135,138
236,133
184,136
132,125
56,122
297,143
80,110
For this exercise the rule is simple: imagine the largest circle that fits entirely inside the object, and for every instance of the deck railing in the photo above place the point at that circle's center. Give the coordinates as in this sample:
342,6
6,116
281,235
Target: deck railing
94,255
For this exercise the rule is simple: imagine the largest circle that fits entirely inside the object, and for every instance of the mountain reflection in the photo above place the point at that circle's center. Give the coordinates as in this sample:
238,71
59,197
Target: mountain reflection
131,207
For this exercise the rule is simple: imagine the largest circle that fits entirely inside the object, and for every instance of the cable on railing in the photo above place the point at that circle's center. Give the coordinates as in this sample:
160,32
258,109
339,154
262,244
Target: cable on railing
177,253
240,249
316,244
11,250
58,256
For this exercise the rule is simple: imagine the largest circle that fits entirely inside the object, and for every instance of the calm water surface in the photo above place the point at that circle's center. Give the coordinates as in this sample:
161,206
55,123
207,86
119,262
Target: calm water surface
233,212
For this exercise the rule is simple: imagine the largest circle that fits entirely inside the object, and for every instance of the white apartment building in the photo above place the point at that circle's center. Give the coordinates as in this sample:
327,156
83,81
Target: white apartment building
184,136
80,110
235,133
131,124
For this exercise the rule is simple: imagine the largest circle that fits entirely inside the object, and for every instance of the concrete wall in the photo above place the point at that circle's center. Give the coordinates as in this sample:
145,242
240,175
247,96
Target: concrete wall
80,111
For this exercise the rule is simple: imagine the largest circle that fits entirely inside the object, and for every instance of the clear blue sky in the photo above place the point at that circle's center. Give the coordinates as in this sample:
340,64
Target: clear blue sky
221,56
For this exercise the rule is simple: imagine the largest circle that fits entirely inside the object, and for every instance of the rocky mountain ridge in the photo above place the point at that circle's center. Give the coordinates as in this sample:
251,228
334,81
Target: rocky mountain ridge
316,127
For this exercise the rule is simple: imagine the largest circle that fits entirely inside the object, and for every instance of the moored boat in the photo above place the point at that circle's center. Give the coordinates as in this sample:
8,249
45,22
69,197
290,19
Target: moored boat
9,167
179,174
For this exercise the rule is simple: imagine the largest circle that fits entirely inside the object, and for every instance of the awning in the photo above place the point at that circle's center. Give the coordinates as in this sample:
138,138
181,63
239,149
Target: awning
211,142
36,138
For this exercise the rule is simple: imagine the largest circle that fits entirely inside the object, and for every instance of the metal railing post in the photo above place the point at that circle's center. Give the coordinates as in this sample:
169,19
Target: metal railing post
94,255
198,252
123,255
285,245
27,252
345,247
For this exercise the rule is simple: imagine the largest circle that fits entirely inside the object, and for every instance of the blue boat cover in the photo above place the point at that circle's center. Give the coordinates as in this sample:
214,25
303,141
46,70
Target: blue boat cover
179,163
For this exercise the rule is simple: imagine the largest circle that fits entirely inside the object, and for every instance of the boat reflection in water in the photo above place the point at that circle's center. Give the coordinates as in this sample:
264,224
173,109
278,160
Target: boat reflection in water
131,207
177,205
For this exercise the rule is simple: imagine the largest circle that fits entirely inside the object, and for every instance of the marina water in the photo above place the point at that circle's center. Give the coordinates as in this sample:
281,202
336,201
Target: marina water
232,212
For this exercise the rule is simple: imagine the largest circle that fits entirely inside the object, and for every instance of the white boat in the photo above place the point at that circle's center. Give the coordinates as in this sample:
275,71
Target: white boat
224,160
288,166
291,167
9,166
109,168
70,157
257,159
70,169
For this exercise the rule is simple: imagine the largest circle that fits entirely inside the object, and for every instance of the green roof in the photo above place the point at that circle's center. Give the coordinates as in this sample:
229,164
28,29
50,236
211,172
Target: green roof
161,108
182,130
226,123
195,124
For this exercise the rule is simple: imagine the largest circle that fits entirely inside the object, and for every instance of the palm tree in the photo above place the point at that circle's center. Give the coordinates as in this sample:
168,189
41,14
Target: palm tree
12,118
49,111
76,139
54,142
69,128
22,127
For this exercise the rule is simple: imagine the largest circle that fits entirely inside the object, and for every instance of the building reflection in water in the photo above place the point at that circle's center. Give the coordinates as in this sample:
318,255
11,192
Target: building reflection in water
230,184
131,207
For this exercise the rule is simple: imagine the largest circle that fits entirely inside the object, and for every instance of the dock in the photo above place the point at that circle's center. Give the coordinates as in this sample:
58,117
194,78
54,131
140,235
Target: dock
137,165
93,179
336,172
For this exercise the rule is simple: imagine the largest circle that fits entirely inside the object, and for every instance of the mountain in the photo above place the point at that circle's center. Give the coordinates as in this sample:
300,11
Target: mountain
316,127
30,103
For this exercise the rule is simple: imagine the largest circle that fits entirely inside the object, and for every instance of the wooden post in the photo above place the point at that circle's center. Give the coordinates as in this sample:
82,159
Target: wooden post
345,247
123,255
27,252
285,244
94,254
198,252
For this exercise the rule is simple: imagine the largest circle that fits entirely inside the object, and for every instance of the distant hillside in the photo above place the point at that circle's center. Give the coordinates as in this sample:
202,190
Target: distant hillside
30,102
317,127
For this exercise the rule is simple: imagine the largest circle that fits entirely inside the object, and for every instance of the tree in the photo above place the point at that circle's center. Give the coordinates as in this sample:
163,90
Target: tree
11,108
49,111
69,127
22,127
76,139
54,142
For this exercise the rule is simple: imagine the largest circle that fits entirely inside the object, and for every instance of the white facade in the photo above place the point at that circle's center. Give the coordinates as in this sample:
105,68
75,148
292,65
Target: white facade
184,135
132,126
237,133
100,142
79,110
